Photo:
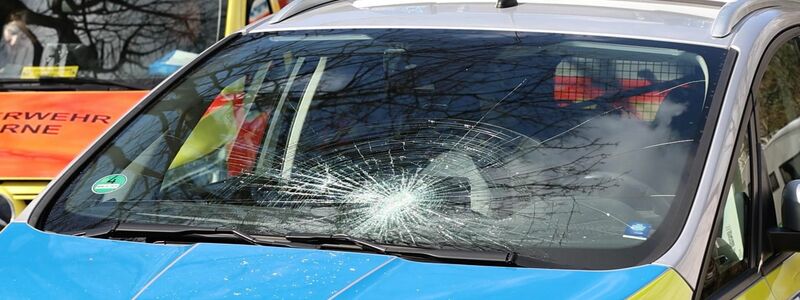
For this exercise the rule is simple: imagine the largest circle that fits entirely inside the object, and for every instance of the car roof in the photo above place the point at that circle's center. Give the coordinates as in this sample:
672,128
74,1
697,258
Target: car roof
706,22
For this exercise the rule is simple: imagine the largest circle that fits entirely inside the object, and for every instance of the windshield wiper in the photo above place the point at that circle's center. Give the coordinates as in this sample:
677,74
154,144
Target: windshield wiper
45,81
335,239
442,255
165,233
162,232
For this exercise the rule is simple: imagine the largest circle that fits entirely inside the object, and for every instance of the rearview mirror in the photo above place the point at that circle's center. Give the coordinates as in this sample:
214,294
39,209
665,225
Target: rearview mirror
6,211
787,238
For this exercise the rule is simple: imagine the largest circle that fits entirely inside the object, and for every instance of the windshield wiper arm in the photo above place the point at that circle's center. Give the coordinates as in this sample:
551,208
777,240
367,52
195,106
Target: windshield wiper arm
335,239
66,80
444,255
173,232
162,232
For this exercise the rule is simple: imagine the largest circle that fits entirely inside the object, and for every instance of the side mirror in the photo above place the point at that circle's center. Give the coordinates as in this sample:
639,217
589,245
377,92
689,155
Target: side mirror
787,238
6,211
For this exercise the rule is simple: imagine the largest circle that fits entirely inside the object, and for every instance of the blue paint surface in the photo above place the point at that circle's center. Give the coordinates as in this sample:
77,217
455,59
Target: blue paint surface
403,279
34,264
39,265
214,271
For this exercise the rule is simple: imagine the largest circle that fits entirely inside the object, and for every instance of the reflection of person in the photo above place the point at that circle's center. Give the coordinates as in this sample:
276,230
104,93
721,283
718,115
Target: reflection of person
17,47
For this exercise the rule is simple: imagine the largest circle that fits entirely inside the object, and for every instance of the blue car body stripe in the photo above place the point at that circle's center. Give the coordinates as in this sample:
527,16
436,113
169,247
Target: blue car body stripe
35,264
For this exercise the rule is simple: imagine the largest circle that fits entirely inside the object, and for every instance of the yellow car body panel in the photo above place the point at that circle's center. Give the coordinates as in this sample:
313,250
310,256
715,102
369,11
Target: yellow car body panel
785,280
782,283
758,291
669,285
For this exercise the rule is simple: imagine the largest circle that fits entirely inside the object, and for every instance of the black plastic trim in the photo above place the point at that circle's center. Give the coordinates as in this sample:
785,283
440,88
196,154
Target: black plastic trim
506,3
783,239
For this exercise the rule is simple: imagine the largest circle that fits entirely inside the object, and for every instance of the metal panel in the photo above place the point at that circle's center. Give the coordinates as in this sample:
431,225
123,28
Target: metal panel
665,22
734,12
295,8
62,266
750,40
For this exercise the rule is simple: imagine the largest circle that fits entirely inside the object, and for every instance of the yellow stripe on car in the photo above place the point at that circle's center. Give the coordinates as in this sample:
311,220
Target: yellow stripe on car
785,280
669,285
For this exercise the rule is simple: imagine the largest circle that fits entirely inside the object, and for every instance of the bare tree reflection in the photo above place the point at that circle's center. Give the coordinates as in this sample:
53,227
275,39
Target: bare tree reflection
410,142
118,39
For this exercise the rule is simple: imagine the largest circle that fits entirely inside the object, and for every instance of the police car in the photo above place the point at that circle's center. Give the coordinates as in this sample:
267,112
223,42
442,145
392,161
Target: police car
445,149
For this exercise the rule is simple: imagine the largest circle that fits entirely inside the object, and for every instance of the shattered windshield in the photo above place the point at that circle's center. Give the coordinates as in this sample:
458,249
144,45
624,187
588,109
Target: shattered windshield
137,43
543,144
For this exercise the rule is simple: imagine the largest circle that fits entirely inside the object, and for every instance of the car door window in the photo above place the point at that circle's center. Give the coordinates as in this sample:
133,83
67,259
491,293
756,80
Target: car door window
729,253
778,110
777,96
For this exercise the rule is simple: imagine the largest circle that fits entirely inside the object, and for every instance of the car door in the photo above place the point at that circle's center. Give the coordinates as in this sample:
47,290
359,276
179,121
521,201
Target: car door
732,258
776,91
739,261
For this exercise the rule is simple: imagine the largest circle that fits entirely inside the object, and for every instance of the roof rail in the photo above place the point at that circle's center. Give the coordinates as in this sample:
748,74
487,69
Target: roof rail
294,8
734,12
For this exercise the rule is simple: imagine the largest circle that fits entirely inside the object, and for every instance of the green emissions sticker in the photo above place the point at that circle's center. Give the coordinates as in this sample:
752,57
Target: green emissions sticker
109,184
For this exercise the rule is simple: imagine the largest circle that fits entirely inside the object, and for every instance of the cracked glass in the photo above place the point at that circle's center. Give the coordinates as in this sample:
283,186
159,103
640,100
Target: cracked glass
572,149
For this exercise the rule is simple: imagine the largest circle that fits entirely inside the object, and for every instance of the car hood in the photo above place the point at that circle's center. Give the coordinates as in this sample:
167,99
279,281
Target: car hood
47,265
